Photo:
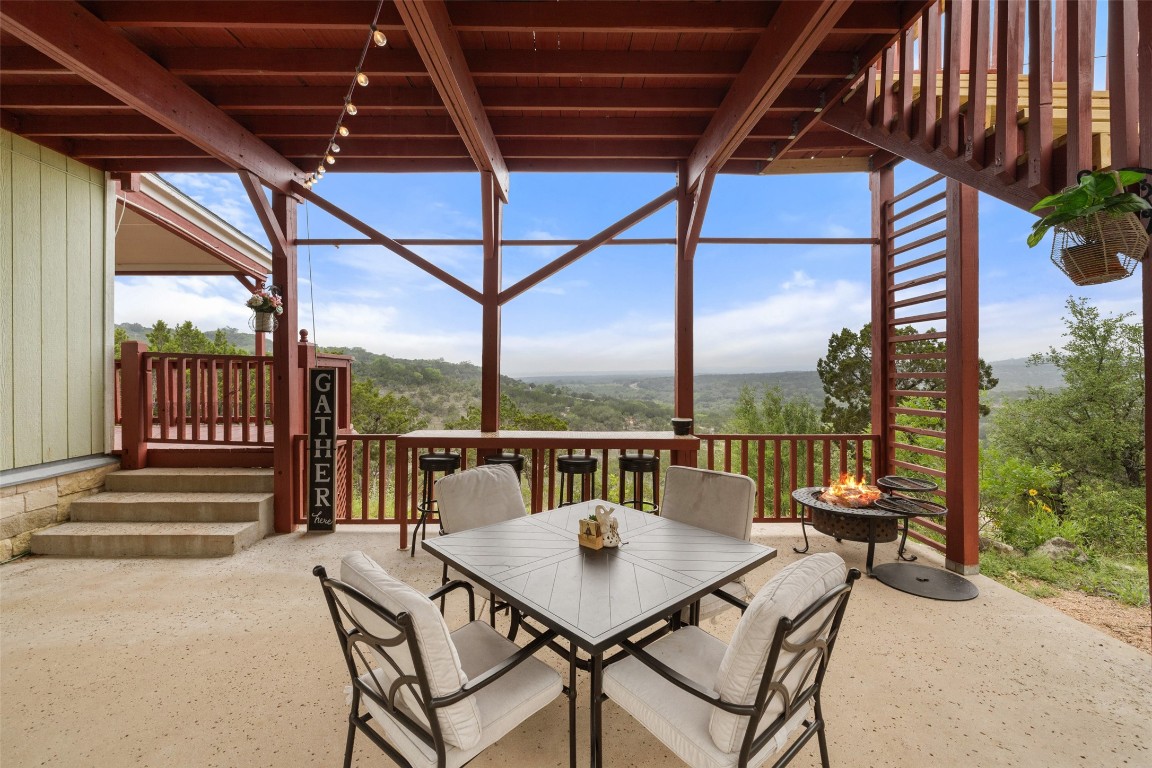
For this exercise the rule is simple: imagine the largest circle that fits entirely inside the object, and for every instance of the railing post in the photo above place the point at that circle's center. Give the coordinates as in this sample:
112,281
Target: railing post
136,416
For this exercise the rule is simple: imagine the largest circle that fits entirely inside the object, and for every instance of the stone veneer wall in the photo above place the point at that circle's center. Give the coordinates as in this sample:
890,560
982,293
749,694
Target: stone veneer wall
28,507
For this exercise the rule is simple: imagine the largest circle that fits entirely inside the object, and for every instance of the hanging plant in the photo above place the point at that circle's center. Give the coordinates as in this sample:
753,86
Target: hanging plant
1098,237
266,304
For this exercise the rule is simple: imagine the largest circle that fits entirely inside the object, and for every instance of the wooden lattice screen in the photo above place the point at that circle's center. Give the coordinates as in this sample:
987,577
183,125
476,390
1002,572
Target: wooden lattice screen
925,356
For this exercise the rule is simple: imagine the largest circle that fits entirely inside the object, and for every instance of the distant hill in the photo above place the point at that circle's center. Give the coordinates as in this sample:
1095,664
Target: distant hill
444,391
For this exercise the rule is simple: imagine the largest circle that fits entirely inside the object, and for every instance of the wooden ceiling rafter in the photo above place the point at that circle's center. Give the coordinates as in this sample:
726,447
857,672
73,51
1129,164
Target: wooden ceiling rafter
793,34
71,35
430,28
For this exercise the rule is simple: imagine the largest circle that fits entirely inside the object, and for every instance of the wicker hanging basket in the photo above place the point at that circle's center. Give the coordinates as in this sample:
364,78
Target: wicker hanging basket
263,322
1100,247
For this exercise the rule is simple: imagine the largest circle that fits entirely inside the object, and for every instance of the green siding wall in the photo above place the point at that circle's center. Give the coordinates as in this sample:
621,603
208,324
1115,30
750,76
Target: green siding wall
55,328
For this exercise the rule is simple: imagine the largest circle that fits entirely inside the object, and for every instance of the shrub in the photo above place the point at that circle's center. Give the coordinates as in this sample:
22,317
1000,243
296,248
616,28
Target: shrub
1111,517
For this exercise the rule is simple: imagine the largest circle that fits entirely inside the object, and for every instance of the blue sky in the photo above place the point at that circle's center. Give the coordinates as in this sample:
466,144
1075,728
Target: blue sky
758,308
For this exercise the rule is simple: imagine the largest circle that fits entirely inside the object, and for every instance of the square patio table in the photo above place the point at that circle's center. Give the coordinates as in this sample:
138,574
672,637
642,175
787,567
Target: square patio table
596,598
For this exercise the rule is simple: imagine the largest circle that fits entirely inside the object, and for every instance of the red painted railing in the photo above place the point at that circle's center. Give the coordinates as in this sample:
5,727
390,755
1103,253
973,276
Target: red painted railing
778,463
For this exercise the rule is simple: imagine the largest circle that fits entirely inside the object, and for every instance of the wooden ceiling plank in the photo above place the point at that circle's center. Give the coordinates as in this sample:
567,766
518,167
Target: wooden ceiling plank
74,37
228,14
431,30
793,34
669,17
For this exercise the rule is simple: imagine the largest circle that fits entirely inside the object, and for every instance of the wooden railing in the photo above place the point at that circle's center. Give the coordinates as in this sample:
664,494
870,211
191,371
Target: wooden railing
777,463
209,399
782,463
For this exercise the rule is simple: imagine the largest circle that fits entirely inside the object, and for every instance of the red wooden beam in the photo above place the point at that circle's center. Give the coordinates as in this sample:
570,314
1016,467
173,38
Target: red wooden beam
382,239
849,117
975,118
1009,61
882,188
1123,104
1081,41
587,246
1039,132
793,34
430,30
925,130
490,305
71,35
263,210
962,379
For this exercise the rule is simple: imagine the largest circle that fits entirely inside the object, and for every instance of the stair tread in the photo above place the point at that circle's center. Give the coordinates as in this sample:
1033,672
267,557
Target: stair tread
196,471
169,497
146,529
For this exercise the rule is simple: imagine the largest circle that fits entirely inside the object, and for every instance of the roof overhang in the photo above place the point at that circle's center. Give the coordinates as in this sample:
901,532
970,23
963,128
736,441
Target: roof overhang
160,230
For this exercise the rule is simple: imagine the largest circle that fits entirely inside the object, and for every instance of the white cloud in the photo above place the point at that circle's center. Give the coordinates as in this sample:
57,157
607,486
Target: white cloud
209,302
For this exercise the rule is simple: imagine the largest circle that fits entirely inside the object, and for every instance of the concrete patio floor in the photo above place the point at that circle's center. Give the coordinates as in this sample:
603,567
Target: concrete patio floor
233,662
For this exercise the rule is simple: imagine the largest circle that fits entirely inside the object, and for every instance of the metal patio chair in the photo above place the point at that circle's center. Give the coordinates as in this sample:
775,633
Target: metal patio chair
741,704
476,497
721,502
424,695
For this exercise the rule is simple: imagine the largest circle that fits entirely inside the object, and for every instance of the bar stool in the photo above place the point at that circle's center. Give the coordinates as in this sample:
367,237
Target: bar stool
430,464
515,460
569,467
638,466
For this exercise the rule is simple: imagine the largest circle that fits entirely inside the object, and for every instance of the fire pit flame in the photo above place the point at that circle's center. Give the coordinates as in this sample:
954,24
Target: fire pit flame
850,492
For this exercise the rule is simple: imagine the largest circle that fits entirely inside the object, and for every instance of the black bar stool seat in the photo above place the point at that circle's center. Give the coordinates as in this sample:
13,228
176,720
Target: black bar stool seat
515,460
429,464
638,466
571,466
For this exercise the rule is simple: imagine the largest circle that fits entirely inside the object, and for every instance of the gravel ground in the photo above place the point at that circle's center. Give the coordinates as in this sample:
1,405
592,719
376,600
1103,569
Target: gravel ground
1124,622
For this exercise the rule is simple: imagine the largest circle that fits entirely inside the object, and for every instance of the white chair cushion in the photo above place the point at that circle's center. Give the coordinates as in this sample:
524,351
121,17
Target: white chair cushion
678,719
459,722
721,502
788,593
503,705
479,496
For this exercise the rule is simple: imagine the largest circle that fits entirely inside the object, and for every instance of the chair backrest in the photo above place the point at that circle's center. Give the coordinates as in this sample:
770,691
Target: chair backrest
400,654
721,502
780,649
479,496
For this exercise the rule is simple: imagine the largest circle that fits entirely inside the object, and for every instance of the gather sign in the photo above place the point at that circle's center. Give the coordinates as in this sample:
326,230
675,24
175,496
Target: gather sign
322,449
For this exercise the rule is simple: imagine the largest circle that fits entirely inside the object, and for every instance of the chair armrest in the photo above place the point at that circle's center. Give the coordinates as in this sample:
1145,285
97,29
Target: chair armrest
444,589
493,674
682,682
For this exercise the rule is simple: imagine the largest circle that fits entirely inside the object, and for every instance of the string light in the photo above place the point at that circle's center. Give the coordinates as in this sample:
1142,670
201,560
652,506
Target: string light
375,37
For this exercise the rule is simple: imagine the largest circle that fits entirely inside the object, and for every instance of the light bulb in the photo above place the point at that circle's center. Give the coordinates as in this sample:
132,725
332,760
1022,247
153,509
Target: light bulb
379,38
334,147
361,78
343,130
330,159
350,108
320,169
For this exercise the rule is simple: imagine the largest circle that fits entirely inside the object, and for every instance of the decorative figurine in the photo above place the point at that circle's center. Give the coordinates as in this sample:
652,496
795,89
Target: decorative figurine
609,526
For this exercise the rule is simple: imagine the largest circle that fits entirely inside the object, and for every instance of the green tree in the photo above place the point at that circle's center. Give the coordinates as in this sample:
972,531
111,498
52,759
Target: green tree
374,413
119,336
1094,427
775,414
846,373
511,417
188,339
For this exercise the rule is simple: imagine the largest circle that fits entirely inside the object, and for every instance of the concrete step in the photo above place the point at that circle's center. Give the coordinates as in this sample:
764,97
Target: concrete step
146,539
167,507
199,480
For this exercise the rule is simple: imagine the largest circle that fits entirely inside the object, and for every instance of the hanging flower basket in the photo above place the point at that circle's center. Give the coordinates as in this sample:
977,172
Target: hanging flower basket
1099,248
263,322
266,304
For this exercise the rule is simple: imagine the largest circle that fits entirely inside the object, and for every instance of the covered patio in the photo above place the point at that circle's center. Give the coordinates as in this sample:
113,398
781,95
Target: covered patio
233,662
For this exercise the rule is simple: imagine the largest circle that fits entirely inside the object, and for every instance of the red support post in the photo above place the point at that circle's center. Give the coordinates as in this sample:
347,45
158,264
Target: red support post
882,183
136,419
490,304
288,406
962,377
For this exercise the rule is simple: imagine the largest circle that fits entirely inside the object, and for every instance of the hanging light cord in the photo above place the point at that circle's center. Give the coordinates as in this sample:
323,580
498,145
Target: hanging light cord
348,108
311,283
